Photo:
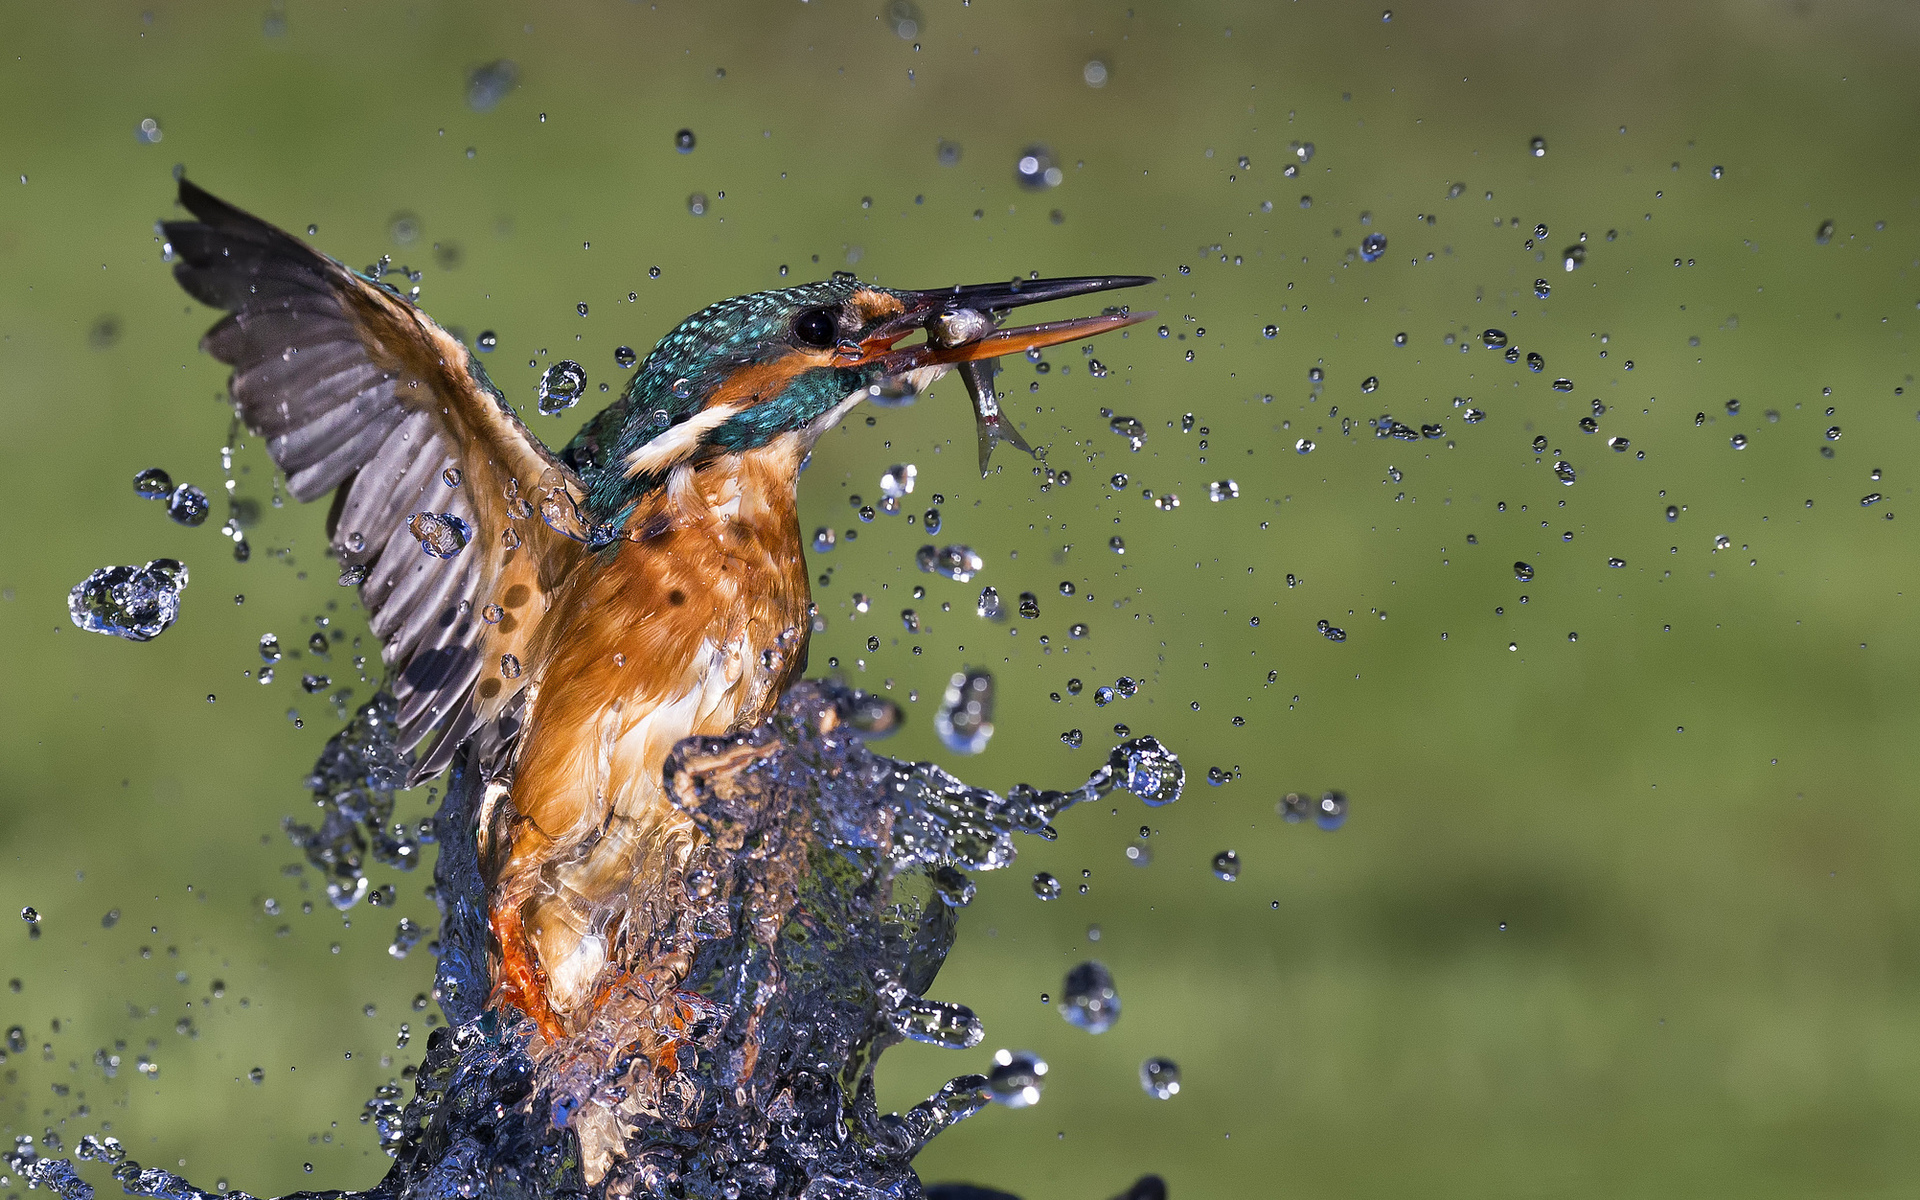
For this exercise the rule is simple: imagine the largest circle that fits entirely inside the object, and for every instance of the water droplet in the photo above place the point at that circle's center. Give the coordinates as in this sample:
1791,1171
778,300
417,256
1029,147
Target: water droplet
905,19
153,484
1160,1078
1303,446
897,481
486,342
489,84
964,720
1095,73
1563,385
958,563
624,357
1369,385
1016,1078
1034,169
1226,866
1523,571
1271,331
697,204
1088,998
947,153
1833,433
1331,813
1494,338
562,386
684,141
1148,769
1116,544
824,539
1045,886
1738,441
442,535
1542,289
1824,234
1574,257
1029,605
1223,489
136,603
1537,147
1372,247
188,505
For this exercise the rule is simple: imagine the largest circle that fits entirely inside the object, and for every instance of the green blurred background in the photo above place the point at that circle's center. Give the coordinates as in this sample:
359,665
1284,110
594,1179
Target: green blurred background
1561,947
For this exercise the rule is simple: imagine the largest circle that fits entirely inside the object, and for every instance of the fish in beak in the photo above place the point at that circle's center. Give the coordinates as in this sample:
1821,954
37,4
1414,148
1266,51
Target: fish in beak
962,325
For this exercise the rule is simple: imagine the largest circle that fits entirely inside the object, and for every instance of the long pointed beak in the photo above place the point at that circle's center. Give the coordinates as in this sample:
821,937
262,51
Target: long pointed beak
961,322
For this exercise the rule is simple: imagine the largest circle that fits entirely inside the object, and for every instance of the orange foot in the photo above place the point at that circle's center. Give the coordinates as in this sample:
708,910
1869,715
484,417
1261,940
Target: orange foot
521,983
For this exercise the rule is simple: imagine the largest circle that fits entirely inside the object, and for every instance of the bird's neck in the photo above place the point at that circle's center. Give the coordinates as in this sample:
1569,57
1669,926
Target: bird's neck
754,489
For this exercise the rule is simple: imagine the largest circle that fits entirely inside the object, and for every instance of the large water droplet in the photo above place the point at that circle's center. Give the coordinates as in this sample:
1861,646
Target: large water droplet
1088,998
188,505
136,603
489,84
958,563
897,481
1016,1078
964,720
1034,169
562,386
152,484
442,535
1160,1078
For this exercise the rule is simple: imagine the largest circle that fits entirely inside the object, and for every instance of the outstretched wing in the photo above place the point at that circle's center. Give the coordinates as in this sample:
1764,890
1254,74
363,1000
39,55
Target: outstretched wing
357,391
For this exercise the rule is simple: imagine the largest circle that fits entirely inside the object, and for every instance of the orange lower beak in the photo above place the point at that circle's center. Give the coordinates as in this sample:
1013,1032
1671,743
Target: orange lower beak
993,345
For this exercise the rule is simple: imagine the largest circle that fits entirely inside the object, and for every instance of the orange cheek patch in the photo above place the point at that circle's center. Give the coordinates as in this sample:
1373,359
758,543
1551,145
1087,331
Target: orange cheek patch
765,380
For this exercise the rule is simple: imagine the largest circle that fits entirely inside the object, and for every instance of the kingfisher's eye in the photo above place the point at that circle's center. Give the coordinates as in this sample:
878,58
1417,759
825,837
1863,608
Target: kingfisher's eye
816,327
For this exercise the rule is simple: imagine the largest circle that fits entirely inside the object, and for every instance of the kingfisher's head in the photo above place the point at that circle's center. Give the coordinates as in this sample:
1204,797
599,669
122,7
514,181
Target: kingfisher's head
787,364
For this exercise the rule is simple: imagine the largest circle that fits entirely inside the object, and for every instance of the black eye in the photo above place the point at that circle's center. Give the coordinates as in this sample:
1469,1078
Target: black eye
816,327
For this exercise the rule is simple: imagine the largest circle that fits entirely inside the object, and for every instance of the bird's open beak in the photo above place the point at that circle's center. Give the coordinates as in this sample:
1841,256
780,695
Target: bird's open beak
961,324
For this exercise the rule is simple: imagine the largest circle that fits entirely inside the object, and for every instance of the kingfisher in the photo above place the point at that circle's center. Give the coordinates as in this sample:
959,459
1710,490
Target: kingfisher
566,618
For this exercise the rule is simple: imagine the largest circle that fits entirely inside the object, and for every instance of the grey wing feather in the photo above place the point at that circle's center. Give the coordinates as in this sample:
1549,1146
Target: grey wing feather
305,379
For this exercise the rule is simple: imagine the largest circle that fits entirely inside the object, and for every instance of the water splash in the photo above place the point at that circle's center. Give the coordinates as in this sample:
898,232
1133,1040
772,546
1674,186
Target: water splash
813,918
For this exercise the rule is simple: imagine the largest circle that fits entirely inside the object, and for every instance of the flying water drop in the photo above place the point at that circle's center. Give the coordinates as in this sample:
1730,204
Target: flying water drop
1088,998
964,720
1160,1078
1016,1078
441,535
562,386
136,603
